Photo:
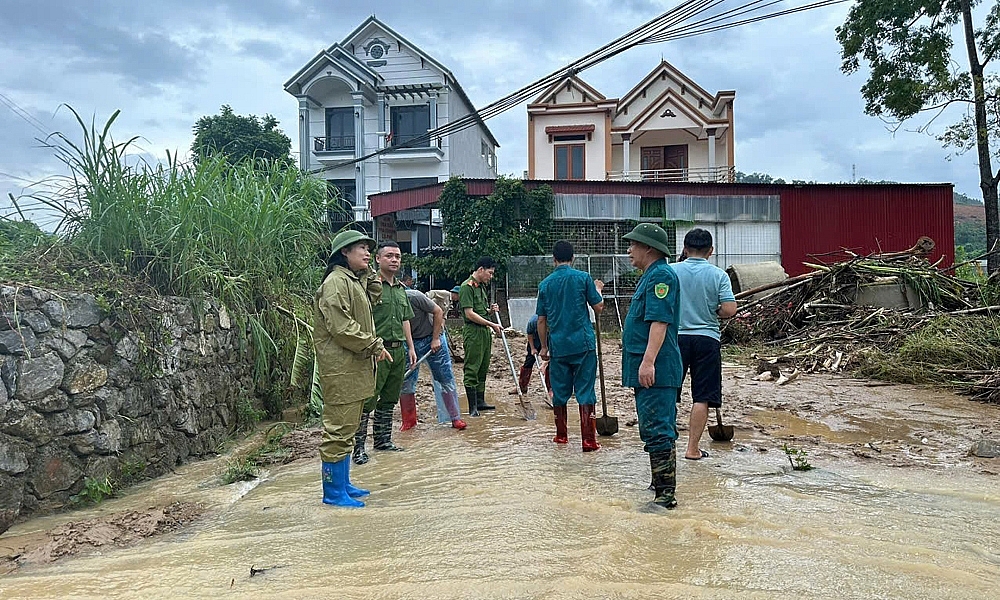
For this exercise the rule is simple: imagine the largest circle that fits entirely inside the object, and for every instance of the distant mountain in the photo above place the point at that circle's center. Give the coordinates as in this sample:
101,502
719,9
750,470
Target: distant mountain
964,200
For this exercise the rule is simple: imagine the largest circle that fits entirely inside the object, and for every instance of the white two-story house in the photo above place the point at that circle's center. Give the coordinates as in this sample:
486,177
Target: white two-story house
667,128
373,90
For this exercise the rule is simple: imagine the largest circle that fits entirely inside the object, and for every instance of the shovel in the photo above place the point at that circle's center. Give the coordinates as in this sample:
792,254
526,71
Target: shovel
720,432
605,425
541,375
527,410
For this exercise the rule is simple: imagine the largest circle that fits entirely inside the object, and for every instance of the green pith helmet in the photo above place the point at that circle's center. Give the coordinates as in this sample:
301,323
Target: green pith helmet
348,237
652,235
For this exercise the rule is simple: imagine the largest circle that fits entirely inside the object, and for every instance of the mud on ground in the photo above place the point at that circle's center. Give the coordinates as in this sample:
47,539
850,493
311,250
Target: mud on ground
119,530
832,417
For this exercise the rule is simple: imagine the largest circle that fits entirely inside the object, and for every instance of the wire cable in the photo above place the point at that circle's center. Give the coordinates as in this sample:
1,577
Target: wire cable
23,114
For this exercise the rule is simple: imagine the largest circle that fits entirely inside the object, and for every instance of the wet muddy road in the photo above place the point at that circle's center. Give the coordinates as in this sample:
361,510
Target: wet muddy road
499,511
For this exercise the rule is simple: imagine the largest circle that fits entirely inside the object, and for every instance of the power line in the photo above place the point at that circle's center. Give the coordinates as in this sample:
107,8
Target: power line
17,178
25,115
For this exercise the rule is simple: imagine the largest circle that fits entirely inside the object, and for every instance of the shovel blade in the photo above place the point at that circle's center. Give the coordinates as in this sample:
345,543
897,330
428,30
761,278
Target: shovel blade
607,425
527,410
721,433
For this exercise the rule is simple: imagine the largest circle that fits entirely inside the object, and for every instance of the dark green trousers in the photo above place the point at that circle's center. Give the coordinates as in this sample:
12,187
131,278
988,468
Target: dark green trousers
478,347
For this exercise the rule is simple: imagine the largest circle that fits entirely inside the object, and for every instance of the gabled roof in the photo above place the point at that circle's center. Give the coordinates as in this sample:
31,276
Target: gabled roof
667,69
669,96
337,57
352,38
585,89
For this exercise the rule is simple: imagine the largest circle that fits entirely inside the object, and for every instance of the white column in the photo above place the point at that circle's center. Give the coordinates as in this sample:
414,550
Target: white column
433,102
711,153
360,198
626,153
305,141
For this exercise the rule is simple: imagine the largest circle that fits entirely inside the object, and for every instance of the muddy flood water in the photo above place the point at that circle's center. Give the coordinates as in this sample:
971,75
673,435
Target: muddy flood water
499,511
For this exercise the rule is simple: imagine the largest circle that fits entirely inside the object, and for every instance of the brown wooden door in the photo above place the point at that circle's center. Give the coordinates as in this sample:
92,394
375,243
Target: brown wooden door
651,159
675,157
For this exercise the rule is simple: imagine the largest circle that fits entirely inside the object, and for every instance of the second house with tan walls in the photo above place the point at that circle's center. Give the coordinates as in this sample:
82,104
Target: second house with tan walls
667,128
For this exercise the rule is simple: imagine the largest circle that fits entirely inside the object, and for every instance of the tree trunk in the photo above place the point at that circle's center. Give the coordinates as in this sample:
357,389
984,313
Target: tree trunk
987,181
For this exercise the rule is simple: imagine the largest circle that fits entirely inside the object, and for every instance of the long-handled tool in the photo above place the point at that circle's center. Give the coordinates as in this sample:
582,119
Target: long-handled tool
605,425
416,365
541,374
527,410
720,432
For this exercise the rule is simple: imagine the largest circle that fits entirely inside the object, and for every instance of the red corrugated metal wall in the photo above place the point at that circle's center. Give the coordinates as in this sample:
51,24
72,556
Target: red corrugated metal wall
817,220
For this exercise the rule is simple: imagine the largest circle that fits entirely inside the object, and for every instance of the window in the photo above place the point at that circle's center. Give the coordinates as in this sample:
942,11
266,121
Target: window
410,123
339,130
342,211
408,183
578,137
570,161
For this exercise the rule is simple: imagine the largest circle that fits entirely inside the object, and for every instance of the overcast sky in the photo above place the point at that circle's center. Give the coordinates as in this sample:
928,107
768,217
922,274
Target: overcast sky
164,64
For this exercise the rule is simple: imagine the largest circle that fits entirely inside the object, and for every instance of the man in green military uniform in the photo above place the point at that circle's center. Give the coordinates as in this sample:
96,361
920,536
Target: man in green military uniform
392,313
651,359
476,333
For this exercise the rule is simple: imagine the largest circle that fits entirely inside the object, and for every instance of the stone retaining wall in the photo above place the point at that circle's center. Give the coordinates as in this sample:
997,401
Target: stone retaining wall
82,396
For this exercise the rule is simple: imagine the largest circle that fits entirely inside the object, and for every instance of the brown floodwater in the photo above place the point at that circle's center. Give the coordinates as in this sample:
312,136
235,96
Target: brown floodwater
498,511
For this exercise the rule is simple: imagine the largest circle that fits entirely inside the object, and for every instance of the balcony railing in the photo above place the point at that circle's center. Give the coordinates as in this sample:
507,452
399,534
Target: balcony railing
333,143
720,174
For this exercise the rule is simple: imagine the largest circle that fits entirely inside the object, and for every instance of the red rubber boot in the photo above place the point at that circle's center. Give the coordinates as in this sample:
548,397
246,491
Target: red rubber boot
523,379
451,403
562,436
408,410
588,428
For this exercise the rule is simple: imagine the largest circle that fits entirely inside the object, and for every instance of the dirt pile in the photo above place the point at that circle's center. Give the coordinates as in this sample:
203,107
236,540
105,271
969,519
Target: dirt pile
120,530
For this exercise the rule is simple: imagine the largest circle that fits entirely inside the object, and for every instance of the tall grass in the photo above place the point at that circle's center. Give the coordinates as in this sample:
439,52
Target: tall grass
250,235
938,351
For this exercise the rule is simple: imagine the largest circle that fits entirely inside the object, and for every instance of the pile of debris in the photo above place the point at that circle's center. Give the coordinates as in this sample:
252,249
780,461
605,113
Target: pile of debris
839,316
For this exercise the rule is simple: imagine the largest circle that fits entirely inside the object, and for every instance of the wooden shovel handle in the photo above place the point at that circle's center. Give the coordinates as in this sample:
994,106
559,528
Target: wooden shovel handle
718,416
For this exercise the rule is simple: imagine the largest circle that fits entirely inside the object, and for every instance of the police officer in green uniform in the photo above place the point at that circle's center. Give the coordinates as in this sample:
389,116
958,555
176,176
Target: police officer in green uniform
567,335
392,313
347,350
651,359
476,333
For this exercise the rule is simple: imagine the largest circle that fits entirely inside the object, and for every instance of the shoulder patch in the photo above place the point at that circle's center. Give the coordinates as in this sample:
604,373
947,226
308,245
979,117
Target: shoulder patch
661,290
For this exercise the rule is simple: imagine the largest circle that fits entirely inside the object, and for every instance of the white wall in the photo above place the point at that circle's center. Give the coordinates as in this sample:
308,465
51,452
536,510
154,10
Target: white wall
545,153
465,147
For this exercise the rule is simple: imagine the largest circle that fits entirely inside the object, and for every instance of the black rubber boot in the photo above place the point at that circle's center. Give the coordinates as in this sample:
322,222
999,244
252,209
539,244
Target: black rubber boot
473,397
663,465
481,402
360,457
382,431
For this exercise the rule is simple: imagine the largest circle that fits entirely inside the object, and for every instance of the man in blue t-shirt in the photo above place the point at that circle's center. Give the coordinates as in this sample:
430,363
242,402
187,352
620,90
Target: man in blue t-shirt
706,297
568,337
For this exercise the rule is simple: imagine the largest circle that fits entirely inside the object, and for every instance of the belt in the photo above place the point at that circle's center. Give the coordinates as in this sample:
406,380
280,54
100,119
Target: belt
391,345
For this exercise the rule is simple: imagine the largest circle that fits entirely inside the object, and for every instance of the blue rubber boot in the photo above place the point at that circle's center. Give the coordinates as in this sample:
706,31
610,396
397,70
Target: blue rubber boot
353,492
334,485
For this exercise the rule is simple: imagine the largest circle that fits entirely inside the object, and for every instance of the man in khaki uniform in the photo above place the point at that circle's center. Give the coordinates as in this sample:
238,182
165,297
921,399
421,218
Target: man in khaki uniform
346,352
392,314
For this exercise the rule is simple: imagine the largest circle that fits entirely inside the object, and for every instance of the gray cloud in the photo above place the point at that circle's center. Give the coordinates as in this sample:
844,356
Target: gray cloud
167,63
264,50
